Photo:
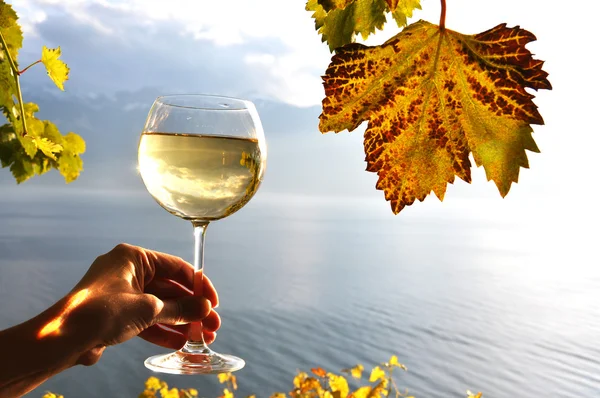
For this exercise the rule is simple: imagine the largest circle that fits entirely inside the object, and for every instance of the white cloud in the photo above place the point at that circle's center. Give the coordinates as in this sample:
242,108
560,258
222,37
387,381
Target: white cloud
291,75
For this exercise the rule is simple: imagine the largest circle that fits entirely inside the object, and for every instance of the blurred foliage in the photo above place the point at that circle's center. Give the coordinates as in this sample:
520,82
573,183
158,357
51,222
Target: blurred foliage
318,383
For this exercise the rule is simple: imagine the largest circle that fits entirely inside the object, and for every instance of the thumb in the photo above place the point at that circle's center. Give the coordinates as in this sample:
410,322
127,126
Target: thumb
183,310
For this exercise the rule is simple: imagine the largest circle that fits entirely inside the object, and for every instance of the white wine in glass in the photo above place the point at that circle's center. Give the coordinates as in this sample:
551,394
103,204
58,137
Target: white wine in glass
202,158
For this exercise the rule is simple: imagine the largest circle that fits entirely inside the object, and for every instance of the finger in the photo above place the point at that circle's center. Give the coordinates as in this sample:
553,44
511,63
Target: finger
183,310
164,337
171,267
208,289
184,328
212,322
166,289
209,337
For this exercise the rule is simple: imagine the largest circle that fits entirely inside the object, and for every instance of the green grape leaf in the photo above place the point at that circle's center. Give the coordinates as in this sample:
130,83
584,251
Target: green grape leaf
70,165
431,97
41,147
75,143
22,169
57,69
29,145
339,25
319,14
13,37
11,31
402,10
339,21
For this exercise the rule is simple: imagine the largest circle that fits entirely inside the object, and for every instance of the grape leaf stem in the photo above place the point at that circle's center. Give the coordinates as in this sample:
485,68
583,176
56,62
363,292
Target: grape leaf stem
443,16
15,72
23,71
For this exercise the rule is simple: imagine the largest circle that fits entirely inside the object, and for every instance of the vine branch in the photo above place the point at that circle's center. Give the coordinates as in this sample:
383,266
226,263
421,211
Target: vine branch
23,71
15,72
443,16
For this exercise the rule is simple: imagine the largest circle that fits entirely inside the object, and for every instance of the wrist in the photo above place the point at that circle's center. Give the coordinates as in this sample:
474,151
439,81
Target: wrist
41,347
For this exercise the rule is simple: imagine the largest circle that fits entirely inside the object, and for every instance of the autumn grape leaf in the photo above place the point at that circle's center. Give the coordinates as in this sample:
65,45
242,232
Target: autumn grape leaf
338,385
338,21
57,69
431,97
329,5
319,372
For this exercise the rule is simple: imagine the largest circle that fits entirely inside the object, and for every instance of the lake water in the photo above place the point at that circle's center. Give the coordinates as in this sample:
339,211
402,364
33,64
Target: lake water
466,299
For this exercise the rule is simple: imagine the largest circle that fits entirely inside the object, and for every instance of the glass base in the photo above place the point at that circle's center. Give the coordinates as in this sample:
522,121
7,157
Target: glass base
194,358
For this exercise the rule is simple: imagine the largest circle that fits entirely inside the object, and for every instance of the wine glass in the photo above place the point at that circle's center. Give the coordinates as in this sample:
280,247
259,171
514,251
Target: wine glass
202,158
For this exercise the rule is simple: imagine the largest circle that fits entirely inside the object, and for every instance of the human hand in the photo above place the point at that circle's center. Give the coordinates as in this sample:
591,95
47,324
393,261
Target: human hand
132,291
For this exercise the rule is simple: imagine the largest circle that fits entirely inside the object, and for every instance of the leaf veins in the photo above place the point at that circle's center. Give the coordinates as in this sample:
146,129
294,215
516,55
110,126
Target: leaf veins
431,97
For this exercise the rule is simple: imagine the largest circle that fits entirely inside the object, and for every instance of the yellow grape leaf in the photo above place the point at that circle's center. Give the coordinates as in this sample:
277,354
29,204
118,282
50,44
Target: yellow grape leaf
224,377
57,69
319,372
431,97
380,389
227,394
310,384
154,384
299,379
51,395
355,372
166,393
376,374
339,385
471,395
75,143
48,148
278,395
394,362
362,392
144,394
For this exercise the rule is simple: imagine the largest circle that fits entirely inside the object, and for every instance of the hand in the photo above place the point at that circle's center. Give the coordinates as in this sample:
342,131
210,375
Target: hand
127,292
132,291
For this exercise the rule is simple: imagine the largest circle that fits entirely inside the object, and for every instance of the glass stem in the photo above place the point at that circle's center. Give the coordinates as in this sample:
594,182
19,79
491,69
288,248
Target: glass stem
196,338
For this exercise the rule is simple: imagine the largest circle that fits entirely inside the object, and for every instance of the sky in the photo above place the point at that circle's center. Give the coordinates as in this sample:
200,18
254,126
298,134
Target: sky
124,53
